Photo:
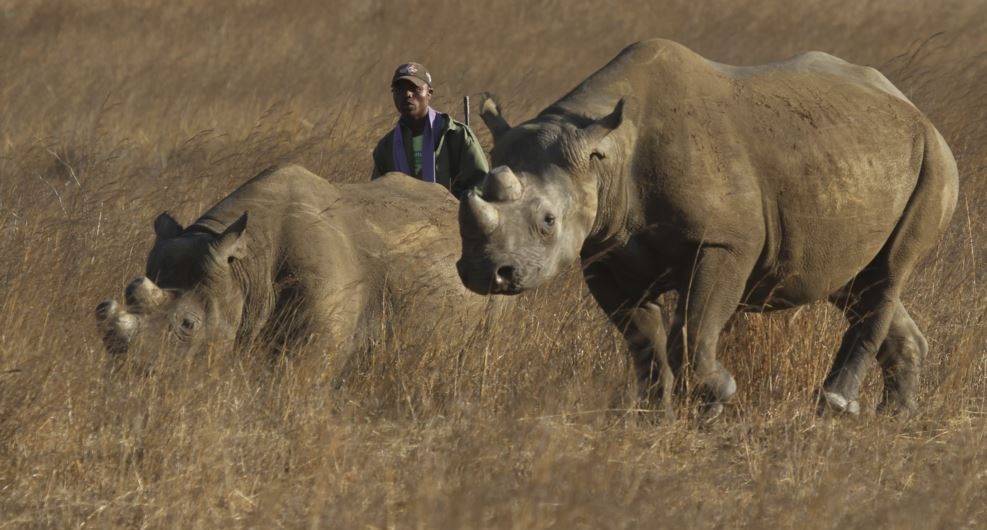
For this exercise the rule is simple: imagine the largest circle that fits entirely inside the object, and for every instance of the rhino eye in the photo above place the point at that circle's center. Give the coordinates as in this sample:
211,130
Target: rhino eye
188,324
547,225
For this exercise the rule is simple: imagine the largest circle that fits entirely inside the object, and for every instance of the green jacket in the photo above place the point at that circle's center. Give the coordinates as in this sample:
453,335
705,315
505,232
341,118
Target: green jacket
460,163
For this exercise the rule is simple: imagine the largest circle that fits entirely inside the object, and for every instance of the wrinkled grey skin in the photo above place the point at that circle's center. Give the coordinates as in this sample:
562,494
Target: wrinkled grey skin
292,258
739,188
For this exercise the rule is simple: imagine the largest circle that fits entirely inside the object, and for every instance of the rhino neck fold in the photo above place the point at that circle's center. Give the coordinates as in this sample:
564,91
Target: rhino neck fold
242,281
252,275
615,196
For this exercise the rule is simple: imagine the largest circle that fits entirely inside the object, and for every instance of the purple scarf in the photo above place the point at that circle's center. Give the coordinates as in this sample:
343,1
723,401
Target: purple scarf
432,128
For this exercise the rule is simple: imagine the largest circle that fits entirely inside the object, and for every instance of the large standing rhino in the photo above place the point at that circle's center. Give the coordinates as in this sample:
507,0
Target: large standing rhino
291,257
751,188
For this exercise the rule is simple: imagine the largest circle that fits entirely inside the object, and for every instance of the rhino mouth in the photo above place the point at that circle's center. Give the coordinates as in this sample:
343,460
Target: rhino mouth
490,278
511,290
470,280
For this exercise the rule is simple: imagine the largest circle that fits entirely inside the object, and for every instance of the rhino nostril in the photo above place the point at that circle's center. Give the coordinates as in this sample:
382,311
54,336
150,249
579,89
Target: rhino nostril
505,275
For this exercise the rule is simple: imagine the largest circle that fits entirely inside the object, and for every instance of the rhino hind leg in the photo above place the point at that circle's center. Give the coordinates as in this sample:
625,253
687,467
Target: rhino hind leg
869,305
880,328
901,356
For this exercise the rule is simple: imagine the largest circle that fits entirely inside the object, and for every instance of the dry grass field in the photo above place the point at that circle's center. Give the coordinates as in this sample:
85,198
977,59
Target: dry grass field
112,111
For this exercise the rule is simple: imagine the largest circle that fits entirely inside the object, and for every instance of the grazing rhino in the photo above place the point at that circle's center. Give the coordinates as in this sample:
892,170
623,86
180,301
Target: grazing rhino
740,188
294,258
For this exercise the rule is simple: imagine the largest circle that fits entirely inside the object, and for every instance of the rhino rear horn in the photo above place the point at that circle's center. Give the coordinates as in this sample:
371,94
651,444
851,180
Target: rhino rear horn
501,184
165,226
492,117
142,295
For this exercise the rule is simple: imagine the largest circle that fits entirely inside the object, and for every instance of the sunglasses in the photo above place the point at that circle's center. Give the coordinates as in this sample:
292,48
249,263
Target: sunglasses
396,89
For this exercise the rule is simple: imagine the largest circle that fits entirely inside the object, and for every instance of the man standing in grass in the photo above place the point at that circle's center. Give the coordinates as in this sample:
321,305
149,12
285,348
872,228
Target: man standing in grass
427,144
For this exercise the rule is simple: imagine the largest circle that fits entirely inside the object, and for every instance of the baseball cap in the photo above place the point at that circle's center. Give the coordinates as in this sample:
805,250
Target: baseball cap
414,72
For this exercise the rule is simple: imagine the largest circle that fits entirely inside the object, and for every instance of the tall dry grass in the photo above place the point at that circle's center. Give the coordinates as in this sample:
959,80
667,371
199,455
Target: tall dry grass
111,111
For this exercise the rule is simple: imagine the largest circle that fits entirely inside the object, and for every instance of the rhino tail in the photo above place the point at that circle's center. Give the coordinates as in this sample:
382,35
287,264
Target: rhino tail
929,208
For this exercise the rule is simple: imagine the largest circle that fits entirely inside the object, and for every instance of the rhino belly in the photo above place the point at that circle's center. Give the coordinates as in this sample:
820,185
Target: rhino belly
807,272
819,243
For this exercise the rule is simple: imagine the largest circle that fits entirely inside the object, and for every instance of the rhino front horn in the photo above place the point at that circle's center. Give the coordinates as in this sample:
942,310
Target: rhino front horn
501,184
484,213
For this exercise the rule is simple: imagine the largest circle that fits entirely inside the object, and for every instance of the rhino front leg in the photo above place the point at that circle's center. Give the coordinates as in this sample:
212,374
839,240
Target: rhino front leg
644,331
708,298
643,327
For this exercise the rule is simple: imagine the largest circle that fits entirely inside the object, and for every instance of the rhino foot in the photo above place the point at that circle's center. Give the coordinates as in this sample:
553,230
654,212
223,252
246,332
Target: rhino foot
899,408
832,401
729,388
710,412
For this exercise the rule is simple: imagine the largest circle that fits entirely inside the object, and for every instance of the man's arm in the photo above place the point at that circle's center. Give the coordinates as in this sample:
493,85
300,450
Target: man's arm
380,163
473,164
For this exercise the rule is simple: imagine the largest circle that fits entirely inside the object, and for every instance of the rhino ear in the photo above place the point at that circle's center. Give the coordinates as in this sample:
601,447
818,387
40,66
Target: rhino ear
599,129
165,226
491,116
230,244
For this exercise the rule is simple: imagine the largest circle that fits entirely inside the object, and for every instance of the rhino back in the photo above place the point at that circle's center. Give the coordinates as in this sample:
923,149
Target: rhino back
820,162
349,237
416,226
812,160
324,260
363,249
267,195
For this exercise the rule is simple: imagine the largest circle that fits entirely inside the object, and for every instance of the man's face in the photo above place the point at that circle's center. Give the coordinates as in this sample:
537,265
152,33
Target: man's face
411,100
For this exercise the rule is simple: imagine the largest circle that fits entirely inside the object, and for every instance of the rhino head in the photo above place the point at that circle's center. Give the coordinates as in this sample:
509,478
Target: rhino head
533,212
190,297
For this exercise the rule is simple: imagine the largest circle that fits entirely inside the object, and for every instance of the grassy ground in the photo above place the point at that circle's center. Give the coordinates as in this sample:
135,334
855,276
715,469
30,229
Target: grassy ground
111,111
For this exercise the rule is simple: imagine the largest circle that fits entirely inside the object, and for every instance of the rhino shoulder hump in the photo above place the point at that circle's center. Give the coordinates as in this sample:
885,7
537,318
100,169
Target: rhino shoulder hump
652,49
295,171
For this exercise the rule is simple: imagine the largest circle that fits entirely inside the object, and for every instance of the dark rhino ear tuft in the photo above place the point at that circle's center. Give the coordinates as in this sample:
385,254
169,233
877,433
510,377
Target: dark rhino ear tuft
598,130
165,226
230,244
